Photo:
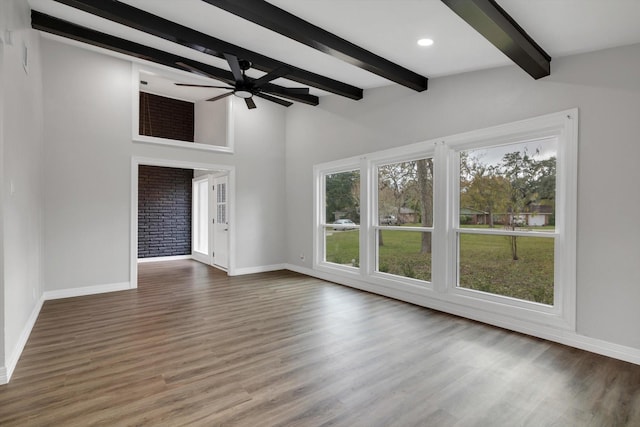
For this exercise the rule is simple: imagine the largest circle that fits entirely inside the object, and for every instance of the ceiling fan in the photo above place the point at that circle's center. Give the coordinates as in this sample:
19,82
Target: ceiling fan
246,87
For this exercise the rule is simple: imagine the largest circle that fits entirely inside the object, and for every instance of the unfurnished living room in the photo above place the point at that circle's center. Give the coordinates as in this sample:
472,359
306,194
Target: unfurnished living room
314,213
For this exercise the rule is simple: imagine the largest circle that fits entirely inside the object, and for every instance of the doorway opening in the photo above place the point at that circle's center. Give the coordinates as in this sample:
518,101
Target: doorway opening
210,232
211,219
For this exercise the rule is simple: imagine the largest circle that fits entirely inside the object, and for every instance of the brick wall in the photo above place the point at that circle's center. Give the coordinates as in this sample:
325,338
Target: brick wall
164,211
166,117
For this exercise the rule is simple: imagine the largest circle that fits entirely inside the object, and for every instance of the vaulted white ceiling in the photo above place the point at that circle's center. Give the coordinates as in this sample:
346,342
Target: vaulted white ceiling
389,28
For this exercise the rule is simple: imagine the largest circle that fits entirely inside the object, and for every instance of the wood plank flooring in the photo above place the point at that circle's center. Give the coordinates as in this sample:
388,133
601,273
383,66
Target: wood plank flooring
191,346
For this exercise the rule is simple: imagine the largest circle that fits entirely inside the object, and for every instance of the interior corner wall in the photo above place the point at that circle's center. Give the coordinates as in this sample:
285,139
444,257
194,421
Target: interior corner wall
605,88
89,148
22,178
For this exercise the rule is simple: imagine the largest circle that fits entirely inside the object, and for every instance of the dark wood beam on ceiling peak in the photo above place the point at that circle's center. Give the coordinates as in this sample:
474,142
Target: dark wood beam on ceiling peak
272,17
497,26
59,27
160,27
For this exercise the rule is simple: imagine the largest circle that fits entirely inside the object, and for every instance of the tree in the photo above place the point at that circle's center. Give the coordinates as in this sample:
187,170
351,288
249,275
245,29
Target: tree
424,169
531,180
482,187
393,182
396,179
342,196
515,185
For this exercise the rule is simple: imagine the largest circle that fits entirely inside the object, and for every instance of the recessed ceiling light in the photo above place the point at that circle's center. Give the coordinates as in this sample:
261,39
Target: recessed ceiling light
425,42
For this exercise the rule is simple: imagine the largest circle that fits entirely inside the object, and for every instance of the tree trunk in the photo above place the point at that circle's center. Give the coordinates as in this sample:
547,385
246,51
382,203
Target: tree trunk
380,242
513,240
514,247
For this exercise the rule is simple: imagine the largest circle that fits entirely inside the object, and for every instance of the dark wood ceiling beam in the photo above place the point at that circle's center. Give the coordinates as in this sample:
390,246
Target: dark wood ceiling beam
495,24
152,24
49,24
269,16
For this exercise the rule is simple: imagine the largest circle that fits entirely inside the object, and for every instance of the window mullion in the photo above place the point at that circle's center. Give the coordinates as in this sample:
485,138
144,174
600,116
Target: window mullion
367,207
441,257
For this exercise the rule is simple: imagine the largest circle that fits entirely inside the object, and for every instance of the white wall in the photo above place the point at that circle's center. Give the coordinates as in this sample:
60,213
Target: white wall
88,171
603,85
210,122
3,369
22,180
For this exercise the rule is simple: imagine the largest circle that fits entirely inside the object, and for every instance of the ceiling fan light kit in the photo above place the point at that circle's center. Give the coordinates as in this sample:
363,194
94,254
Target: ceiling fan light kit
243,94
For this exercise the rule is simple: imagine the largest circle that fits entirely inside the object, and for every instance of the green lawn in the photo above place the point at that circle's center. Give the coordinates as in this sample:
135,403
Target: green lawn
485,261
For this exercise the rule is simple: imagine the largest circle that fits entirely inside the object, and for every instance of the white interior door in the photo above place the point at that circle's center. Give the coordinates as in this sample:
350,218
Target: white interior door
221,222
202,217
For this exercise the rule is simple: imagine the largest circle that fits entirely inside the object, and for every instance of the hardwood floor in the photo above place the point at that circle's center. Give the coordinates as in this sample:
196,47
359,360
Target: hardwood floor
191,346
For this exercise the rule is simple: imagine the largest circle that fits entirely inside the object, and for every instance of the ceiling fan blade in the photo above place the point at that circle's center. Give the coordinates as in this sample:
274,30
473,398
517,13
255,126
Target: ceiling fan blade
192,85
234,64
250,104
274,99
224,95
278,72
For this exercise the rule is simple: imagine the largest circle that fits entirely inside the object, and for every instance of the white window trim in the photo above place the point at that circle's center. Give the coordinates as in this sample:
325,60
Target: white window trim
442,293
403,154
563,127
319,173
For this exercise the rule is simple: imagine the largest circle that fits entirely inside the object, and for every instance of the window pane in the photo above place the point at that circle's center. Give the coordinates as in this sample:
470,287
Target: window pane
405,193
342,246
511,186
405,253
518,267
342,196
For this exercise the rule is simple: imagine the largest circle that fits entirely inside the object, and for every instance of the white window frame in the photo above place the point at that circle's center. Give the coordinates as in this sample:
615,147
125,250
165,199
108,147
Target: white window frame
321,223
563,127
404,154
442,292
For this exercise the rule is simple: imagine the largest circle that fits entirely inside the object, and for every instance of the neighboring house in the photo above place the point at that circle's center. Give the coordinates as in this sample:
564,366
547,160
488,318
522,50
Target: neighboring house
407,216
473,216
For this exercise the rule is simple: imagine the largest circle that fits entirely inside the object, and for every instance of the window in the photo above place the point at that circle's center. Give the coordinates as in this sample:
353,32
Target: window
341,218
405,218
506,212
482,221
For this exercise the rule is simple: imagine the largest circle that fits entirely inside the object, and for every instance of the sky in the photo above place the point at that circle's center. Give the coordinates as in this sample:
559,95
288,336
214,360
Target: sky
547,148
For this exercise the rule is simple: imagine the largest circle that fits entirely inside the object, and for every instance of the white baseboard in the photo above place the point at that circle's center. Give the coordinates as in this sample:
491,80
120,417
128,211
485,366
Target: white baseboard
570,338
258,269
164,258
10,364
87,290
